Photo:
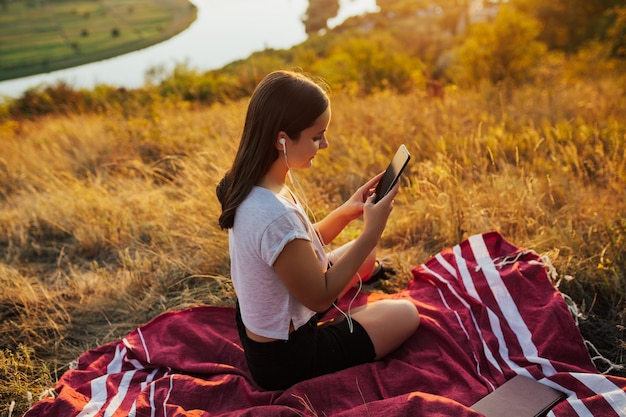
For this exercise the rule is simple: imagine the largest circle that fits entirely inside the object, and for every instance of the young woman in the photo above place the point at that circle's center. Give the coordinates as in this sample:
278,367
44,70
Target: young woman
282,276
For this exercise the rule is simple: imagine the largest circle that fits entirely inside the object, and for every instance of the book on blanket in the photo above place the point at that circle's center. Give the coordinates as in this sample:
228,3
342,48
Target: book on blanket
520,396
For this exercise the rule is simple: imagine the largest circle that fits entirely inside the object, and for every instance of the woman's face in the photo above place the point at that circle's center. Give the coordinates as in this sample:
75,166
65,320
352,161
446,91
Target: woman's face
300,153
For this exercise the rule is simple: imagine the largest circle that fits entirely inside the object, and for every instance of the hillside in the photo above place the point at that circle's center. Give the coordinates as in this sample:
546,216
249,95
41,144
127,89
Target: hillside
43,36
109,219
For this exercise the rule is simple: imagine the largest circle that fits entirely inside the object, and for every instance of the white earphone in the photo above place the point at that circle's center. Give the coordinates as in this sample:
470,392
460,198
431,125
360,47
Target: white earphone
347,314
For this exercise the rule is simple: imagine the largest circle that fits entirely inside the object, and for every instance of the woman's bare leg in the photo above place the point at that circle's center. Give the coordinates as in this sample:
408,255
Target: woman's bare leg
388,323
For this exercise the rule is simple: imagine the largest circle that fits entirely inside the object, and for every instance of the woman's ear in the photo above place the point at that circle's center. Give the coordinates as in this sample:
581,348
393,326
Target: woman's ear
281,141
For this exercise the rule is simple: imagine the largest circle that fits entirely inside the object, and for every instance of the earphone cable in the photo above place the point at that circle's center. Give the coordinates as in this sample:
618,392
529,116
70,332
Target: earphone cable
348,314
299,192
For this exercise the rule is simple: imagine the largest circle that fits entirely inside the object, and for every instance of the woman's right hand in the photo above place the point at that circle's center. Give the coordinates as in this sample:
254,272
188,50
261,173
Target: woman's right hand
376,214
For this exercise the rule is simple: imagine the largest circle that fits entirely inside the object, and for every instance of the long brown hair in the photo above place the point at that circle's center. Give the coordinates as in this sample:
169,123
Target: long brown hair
283,101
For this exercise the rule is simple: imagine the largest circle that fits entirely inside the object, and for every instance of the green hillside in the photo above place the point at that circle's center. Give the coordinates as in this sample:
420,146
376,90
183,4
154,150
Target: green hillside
41,36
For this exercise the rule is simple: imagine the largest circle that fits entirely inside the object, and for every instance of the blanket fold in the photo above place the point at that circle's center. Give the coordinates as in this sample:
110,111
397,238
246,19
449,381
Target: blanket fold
489,312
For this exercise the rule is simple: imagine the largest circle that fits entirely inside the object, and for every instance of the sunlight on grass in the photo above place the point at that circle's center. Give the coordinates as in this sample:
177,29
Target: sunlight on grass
107,220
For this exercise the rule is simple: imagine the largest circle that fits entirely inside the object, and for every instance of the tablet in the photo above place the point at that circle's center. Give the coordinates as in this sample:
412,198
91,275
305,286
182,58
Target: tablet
520,396
393,172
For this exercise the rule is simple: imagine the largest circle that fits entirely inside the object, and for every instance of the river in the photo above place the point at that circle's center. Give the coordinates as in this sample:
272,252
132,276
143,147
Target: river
224,31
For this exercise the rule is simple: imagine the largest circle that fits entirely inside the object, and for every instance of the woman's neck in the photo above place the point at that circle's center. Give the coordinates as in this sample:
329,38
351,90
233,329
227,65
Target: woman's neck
275,187
275,178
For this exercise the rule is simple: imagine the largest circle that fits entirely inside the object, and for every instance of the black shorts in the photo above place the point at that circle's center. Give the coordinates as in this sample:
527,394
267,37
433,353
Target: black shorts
311,350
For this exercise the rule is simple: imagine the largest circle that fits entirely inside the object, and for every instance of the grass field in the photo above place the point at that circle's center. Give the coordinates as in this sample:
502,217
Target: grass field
108,214
40,36
108,219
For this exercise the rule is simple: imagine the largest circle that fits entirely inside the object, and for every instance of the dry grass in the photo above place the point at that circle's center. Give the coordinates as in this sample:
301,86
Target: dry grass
108,220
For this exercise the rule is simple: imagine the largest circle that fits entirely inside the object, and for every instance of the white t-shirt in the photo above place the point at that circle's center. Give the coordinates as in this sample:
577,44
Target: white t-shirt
264,223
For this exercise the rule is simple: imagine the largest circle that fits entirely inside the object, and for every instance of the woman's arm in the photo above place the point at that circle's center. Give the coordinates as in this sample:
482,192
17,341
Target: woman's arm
300,271
330,226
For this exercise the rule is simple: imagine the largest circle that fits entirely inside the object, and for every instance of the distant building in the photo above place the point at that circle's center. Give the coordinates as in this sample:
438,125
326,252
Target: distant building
478,11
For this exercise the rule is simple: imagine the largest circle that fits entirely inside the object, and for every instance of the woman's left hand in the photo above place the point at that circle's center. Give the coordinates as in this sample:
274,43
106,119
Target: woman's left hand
354,206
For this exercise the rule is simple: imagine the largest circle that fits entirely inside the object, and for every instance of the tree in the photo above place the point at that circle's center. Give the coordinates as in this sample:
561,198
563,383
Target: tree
617,33
318,13
401,7
368,64
568,24
505,50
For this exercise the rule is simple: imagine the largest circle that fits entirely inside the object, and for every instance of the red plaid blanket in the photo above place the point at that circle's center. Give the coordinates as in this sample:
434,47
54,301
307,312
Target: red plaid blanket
489,312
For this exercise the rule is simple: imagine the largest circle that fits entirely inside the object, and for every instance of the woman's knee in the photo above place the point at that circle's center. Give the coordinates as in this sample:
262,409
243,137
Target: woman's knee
408,315
389,323
392,311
